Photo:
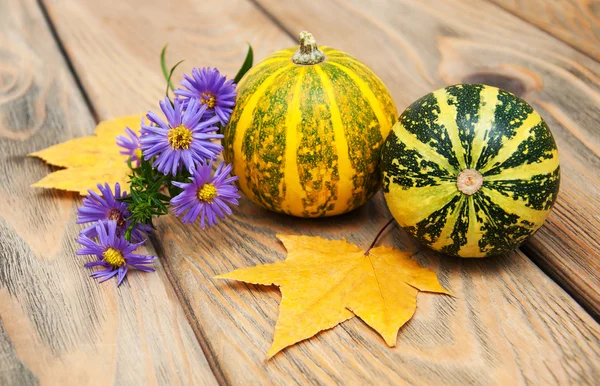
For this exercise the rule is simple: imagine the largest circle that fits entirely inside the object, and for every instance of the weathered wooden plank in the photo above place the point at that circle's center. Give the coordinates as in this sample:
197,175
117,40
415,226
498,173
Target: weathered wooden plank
575,22
57,325
133,34
509,324
416,47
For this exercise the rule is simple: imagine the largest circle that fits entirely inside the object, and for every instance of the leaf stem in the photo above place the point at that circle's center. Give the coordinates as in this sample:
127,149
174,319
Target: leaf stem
163,66
245,66
129,230
377,237
169,84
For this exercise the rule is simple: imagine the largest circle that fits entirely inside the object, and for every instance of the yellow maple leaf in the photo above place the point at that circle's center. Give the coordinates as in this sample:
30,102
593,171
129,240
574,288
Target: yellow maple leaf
325,282
89,161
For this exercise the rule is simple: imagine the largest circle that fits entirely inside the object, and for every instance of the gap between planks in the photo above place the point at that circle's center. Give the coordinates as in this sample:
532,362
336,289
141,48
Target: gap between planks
209,354
63,53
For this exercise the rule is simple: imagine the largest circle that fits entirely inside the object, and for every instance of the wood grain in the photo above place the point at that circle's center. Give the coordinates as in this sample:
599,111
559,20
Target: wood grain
575,22
510,323
132,39
57,325
467,43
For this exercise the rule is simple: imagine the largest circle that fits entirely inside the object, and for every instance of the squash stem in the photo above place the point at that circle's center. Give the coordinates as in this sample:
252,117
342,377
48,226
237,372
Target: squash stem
378,235
469,181
308,53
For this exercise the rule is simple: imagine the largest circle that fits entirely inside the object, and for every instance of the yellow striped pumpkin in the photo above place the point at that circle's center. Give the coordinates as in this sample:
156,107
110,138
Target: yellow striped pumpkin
470,170
305,135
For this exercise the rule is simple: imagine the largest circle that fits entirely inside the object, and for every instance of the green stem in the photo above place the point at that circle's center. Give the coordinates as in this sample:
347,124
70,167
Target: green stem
128,231
169,84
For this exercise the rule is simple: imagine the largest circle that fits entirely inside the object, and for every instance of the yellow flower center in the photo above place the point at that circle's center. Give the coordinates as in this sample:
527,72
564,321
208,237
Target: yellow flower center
180,137
208,99
114,257
138,153
207,193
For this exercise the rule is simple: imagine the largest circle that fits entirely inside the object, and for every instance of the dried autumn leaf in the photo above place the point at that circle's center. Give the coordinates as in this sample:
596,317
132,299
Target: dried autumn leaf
88,161
325,282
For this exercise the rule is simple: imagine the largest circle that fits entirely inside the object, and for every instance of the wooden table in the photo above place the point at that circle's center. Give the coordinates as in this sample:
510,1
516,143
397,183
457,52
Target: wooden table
528,317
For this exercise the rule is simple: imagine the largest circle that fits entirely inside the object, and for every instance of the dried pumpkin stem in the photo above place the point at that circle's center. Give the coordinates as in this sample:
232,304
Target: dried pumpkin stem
378,235
308,53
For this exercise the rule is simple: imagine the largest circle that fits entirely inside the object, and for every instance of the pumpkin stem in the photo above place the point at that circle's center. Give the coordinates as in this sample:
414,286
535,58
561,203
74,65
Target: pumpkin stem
377,237
308,53
469,181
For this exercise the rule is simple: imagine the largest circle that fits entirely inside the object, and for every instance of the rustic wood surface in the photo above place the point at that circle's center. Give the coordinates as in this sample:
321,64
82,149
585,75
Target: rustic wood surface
576,22
235,322
509,322
57,326
482,44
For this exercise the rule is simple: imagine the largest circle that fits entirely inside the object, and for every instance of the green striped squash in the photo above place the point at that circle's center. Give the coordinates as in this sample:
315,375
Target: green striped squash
306,134
470,170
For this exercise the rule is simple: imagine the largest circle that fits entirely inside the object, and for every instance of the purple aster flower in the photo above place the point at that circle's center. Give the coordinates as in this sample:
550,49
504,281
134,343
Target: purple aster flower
213,90
131,146
206,196
107,207
114,253
184,140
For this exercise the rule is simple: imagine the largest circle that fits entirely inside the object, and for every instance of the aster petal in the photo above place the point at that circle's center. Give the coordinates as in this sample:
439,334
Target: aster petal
109,238
89,249
156,147
139,233
143,268
103,275
223,117
209,81
185,93
202,216
181,185
89,231
167,109
122,271
152,130
225,210
129,145
191,117
210,216
208,125
230,180
188,160
112,229
102,233
152,117
177,112
217,209
97,263
193,213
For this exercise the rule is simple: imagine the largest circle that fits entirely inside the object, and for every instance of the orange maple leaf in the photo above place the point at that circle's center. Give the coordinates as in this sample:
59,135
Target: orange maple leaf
89,161
325,282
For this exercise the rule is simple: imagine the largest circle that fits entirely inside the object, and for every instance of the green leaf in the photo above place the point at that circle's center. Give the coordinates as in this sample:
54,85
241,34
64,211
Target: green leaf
163,65
169,78
246,66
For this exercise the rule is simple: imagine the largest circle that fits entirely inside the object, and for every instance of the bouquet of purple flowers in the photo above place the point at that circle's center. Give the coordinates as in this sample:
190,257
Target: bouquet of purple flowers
173,164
